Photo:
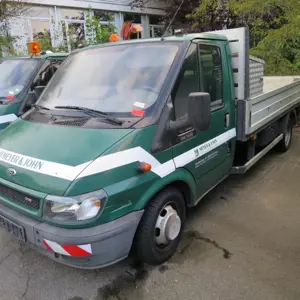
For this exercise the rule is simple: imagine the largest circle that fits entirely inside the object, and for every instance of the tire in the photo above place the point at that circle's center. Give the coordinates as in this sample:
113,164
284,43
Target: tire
150,234
286,142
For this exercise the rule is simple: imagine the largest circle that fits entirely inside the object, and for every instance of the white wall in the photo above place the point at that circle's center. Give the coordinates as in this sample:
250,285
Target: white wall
154,7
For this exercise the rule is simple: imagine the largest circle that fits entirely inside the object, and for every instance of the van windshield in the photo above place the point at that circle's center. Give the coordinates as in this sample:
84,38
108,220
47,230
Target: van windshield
14,75
116,80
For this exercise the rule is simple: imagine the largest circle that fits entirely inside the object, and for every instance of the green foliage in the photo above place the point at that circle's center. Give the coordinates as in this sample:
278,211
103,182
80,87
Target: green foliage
7,42
281,49
205,15
97,33
44,39
9,9
273,25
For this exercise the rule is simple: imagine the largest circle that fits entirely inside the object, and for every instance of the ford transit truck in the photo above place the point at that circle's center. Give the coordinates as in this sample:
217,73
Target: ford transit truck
22,78
127,136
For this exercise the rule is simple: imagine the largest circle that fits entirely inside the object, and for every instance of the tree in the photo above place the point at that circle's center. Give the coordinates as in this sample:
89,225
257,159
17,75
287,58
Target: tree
273,26
8,11
280,48
11,9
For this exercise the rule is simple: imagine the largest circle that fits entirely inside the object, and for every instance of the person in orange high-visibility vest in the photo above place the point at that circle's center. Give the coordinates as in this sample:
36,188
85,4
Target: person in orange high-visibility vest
126,28
114,38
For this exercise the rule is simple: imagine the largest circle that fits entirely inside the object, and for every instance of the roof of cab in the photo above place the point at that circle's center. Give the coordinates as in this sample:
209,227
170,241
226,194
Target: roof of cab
180,38
184,37
192,36
43,56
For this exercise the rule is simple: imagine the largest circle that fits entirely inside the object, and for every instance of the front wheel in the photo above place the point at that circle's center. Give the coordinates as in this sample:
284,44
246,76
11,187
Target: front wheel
286,142
161,226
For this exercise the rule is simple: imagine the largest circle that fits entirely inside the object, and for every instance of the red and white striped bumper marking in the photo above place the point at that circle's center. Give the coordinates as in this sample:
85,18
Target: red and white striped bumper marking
69,250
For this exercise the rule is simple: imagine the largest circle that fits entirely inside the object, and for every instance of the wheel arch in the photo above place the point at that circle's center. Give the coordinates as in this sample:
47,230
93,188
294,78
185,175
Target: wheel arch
181,179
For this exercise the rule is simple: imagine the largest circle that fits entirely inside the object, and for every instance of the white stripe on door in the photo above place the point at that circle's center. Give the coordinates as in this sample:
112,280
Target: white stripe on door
114,160
189,156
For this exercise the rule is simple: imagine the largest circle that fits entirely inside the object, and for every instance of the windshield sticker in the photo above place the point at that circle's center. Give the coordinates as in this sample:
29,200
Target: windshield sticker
138,112
139,104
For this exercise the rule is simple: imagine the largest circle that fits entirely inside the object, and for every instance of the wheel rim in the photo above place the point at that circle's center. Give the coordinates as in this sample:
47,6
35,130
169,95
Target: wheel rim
288,134
167,227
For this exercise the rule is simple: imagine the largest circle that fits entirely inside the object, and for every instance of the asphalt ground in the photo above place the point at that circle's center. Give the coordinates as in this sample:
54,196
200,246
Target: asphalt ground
241,242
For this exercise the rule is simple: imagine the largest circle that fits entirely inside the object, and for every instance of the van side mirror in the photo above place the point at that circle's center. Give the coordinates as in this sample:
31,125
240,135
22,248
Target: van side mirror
199,112
31,99
27,103
38,90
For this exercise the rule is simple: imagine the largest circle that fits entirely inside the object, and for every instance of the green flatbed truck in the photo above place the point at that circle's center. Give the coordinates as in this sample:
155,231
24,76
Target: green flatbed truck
21,79
128,135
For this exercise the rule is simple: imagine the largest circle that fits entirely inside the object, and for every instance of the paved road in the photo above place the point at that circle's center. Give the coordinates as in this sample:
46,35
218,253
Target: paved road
242,242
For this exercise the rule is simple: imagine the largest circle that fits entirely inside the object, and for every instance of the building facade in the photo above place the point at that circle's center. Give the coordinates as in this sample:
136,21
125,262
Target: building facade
64,21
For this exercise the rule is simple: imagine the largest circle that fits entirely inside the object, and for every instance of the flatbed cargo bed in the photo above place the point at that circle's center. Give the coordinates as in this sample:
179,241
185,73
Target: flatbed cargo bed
256,113
258,105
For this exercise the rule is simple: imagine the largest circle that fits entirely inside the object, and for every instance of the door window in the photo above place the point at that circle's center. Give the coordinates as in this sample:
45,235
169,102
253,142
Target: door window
187,82
212,74
39,26
156,31
73,28
104,16
41,32
72,14
46,72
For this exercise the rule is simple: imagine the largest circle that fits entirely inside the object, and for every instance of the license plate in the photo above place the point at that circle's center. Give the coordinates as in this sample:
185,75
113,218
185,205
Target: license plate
13,228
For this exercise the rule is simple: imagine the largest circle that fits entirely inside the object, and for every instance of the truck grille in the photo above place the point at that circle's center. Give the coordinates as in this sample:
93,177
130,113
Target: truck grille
19,198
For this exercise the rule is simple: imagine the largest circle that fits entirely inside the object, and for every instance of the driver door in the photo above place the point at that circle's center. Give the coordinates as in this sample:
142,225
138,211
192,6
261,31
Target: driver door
206,155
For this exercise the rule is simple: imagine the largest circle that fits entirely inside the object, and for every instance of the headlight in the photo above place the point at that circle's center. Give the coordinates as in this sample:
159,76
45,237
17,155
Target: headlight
74,209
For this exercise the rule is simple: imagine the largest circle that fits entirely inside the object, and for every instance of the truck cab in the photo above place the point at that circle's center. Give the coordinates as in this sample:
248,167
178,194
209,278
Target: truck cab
21,81
126,137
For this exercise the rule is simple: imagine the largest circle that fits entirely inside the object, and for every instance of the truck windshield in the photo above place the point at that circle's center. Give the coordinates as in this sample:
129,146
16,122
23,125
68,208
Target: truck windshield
14,75
115,80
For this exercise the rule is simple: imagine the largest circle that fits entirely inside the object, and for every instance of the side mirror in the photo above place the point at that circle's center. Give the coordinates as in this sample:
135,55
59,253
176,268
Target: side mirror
38,91
31,99
199,112
27,103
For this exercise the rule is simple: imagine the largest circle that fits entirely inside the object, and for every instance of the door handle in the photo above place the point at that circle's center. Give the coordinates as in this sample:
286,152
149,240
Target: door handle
227,120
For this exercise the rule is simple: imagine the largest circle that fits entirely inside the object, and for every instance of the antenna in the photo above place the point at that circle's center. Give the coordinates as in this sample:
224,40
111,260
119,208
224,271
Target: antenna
167,29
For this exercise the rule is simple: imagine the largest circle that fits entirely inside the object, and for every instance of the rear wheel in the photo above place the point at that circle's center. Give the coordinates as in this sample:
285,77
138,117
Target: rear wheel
161,226
286,142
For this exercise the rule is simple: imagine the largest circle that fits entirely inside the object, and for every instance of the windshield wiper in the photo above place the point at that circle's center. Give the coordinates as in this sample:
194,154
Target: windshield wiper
92,113
40,107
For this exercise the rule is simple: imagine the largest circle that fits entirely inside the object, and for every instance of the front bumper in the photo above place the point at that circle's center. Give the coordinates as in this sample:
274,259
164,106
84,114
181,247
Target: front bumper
108,243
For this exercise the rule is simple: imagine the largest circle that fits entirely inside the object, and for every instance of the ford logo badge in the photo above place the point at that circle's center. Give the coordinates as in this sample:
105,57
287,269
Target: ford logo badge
11,172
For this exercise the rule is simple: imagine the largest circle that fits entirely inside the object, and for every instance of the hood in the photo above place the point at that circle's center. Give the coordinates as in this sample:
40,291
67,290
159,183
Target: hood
48,158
